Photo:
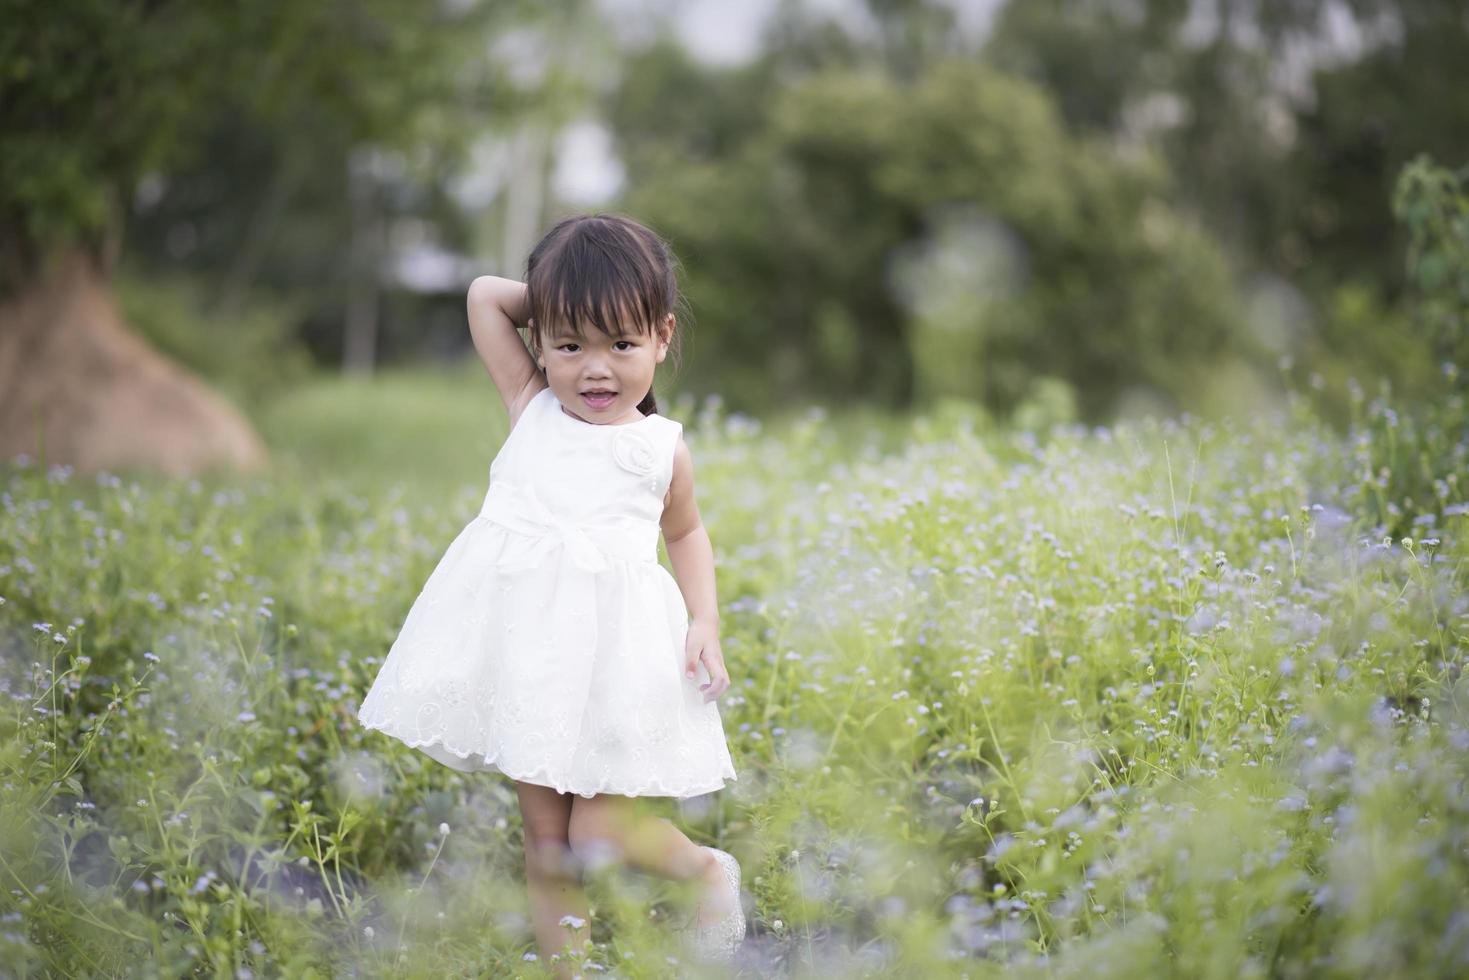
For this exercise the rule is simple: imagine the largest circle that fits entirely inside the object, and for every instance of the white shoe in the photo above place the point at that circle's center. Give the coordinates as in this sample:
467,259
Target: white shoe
717,941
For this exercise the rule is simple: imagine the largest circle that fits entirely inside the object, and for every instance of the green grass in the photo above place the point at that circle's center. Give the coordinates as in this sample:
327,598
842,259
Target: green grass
426,431
1178,698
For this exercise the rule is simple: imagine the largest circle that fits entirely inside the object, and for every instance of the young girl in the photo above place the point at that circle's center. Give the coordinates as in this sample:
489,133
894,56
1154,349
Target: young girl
549,644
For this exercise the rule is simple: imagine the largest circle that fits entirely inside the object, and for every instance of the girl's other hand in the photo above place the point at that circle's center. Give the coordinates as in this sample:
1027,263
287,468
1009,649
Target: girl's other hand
703,644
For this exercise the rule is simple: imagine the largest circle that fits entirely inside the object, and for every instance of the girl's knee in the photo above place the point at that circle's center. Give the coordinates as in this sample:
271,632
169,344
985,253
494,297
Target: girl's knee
550,857
545,815
592,839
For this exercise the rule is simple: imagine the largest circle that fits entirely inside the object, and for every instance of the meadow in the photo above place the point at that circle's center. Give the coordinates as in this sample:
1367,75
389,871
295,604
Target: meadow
1164,698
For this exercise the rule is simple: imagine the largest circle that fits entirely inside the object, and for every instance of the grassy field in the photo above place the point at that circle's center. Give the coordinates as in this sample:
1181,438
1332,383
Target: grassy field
1161,699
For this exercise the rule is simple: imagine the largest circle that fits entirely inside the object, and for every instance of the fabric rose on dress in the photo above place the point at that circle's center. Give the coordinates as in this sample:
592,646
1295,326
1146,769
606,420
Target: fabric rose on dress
633,452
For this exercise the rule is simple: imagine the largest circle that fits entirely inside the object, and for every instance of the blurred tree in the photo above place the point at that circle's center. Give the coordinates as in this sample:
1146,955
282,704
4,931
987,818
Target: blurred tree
818,236
1433,202
1419,346
1285,123
97,96
1368,118
1096,59
301,206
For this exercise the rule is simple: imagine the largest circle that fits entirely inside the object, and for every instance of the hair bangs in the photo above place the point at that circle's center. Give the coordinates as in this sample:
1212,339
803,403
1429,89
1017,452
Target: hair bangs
616,312
603,281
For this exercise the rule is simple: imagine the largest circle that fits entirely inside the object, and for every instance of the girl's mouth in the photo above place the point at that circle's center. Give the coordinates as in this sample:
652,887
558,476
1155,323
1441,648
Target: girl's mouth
599,399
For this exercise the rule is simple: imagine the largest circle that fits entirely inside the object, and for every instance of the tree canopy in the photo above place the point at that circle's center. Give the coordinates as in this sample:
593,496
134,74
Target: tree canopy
96,97
821,241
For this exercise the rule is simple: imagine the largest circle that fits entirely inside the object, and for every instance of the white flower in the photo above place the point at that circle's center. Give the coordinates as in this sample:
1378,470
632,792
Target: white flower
444,829
634,452
573,921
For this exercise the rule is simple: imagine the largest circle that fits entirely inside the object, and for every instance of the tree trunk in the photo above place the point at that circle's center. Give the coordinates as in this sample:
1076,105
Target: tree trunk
77,387
525,194
359,334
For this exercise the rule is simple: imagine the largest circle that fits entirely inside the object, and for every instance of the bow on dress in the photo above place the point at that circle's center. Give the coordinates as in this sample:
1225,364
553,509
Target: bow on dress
517,507
559,647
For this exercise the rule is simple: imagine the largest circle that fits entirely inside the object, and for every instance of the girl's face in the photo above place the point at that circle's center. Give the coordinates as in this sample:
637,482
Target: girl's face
601,379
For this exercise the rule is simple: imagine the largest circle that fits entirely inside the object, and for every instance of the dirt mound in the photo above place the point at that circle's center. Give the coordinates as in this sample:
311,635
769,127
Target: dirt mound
74,378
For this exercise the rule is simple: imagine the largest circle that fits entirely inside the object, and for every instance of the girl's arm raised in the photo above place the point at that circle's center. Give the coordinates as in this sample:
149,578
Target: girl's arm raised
692,556
496,308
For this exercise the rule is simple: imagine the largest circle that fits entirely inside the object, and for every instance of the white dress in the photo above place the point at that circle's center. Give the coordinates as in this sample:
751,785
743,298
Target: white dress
548,642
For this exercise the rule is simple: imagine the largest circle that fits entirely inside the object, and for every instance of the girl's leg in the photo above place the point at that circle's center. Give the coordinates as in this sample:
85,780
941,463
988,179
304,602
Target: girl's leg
551,872
614,828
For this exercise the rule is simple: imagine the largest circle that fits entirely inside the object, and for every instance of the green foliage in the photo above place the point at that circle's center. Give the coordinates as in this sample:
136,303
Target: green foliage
94,95
1410,433
250,355
1294,178
1370,117
876,240
307,194
1152,699
431,430
1416,346
1362,335
1409,454
99,94
1094,59
1291,176
1433,203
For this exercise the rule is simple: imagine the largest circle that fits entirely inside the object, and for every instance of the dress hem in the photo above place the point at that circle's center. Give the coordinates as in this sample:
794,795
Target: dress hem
535,776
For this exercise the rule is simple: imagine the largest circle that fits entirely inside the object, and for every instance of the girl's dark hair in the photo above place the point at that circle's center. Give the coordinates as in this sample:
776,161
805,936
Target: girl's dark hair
604,269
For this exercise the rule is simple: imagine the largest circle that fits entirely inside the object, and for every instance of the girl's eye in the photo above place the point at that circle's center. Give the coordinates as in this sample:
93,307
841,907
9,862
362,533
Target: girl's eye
628,342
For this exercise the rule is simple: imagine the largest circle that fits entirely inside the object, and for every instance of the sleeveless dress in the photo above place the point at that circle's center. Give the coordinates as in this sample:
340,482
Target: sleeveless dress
548,642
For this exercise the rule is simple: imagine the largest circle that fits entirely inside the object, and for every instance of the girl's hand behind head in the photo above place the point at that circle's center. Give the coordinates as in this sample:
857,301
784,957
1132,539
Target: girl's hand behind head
495,306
